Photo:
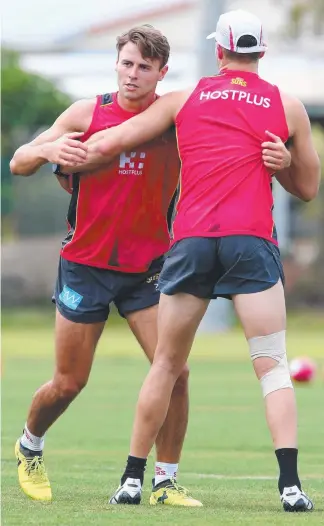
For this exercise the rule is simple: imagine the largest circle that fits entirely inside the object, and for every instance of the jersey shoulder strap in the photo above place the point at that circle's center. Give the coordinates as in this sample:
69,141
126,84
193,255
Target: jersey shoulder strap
106,98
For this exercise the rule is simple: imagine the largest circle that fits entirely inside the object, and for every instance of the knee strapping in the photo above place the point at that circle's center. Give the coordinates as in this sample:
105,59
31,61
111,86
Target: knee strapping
272,346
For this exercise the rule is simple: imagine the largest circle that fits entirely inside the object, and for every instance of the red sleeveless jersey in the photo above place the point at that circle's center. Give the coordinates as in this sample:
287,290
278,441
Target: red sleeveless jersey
225,188
117,215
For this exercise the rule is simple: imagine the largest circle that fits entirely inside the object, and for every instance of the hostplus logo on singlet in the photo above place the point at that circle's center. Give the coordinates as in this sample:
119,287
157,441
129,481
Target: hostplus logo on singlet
131,163
237,95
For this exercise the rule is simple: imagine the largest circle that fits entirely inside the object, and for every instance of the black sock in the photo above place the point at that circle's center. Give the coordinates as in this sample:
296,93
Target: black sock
135,468
287,460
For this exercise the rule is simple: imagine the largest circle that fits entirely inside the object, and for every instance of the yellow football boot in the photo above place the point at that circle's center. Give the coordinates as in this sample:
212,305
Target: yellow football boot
32,475
172,494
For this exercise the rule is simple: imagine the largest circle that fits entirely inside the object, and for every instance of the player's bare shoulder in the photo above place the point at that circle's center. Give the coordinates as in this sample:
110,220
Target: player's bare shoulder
294,110
79,114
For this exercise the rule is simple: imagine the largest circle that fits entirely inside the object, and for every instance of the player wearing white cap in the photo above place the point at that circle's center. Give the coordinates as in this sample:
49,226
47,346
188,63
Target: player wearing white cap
224,241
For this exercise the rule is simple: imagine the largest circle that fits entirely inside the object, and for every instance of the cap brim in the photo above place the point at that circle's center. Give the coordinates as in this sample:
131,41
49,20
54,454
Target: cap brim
254,49
212,35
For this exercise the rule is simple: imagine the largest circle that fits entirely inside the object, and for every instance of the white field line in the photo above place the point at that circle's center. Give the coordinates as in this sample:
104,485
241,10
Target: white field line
244,477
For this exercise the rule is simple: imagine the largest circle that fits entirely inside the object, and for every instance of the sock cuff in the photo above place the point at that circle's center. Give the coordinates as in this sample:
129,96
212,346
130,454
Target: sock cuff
136,461
286,451
32,442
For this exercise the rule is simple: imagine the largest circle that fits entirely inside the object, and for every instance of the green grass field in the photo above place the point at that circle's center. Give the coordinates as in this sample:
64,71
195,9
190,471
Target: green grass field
227,460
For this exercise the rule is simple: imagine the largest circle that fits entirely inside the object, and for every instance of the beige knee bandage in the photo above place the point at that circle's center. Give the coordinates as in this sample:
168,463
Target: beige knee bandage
272,346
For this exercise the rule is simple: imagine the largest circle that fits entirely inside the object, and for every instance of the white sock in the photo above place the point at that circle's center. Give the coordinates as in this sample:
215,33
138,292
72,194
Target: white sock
31,441
165,471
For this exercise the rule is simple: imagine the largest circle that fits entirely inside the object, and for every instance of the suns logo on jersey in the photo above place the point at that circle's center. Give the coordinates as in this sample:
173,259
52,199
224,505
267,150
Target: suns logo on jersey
239,82
131,163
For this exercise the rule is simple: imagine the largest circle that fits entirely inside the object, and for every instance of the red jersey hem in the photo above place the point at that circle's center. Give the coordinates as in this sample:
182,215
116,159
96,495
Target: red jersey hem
128,270
224,234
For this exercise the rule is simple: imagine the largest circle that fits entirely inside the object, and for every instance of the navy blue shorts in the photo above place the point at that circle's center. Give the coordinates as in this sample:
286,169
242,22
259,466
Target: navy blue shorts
83,294
221,266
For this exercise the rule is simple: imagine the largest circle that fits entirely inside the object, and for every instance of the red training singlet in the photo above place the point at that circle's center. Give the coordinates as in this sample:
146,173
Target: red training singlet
117,215
225,187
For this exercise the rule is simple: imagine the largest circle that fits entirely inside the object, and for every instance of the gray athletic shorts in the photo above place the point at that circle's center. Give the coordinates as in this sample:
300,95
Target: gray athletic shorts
211,267
83,294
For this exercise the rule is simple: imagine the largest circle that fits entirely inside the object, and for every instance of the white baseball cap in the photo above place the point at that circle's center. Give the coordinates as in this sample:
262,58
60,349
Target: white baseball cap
233,25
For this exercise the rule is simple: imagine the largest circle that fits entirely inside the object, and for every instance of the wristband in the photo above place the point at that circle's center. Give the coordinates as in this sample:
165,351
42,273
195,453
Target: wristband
56,168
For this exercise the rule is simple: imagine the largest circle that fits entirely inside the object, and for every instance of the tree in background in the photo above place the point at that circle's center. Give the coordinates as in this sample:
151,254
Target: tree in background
29,103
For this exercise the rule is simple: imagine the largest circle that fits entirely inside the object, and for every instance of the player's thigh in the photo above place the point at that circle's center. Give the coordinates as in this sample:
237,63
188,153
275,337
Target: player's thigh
179,316
143,324
75,345
262,313
82,295
138,302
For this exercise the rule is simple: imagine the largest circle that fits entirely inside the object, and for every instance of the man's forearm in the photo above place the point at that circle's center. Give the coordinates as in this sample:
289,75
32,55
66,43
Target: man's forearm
285,180
299,181
27,160
306,177
107,144
95,159
103,147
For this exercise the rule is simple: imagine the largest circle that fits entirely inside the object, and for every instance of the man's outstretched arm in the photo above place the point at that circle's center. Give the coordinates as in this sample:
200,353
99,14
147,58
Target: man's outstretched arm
151,123
144,127
59,144
303,177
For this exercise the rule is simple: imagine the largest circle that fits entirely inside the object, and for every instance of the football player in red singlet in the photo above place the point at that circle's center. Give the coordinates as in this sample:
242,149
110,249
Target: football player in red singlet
224,241
113,252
